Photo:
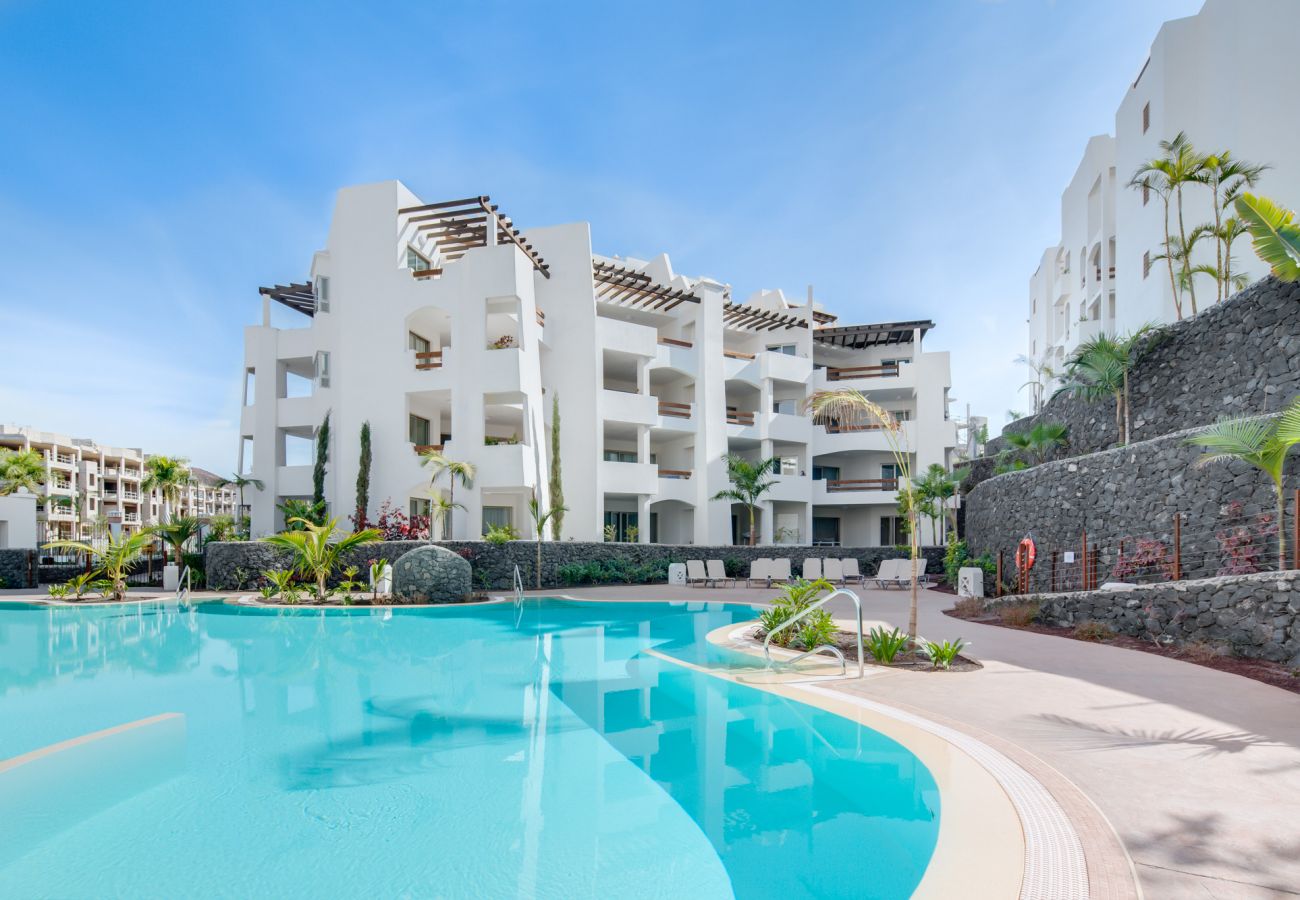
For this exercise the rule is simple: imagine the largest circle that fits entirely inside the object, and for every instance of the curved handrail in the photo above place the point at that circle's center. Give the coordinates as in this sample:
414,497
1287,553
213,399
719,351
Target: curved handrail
519,588
857,605
183,585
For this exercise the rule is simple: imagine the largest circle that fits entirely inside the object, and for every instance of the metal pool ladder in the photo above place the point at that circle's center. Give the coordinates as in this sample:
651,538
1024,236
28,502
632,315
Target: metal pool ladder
833,650
183,585
519,588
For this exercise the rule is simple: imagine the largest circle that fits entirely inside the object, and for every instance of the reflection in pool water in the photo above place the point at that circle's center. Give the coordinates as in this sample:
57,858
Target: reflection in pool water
453,752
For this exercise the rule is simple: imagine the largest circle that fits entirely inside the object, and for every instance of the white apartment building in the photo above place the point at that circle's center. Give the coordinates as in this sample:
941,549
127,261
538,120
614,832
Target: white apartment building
1222,76
89,487
444,326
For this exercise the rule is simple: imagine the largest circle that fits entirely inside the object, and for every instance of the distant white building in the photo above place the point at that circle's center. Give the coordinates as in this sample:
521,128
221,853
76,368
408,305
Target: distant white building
1224,76
443,326
89,487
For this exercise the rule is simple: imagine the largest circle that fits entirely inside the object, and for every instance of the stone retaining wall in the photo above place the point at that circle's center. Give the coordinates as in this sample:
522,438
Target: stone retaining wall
18,568
1255,615
494,564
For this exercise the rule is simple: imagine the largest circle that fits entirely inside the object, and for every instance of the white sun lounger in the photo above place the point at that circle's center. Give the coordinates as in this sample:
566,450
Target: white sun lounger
760,570
718,573
779,571
890,574
695,574
812,568
851,571
833,570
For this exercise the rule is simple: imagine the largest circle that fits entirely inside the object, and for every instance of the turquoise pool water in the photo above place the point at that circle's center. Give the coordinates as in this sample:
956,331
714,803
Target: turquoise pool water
473,751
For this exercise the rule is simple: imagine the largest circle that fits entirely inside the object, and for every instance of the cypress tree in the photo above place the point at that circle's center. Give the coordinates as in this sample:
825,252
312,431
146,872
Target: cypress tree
318,471
556,480
363,478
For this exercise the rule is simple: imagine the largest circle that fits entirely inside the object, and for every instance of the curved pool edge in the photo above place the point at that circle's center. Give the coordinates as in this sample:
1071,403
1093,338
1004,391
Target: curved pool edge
990,800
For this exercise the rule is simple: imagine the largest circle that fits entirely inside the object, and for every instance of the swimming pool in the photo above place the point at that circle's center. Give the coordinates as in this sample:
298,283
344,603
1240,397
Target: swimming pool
466,751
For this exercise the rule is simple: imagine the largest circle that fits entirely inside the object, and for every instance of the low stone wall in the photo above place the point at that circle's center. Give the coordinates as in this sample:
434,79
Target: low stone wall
494,564
18,568
1256,615
1241,356
1121,495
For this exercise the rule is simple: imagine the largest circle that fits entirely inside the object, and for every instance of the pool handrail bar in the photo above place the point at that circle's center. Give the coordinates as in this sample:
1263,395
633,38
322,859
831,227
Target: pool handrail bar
183,585
831,648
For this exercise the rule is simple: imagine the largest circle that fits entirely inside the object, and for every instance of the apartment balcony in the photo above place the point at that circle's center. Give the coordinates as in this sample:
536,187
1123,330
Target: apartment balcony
109,495
784,367
131,474
297,412
628,478
618,336
504,466
111,472
636,409
787,427
675,484
293,481
131,519
295,343
855,491
832,438
738,366
131,496
63,487
62,460
790,488
741,424
57,513
678,355
865,378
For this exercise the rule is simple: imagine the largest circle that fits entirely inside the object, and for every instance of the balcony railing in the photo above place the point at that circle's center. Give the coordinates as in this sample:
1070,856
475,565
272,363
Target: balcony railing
131,495
428,359
841,428
844,372
734,354
674,473
674,342
110,473
678,410
861,484
541,317
735,417
131,473
426,273
129,519
64,459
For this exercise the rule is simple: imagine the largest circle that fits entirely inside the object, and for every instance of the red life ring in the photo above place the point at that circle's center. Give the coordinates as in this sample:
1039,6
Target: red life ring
1025,554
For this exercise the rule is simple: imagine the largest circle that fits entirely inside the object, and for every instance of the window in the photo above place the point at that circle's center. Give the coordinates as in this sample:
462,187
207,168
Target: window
787,349
250,387
826,531
322,294
889,471
1146,193
621,522
418,430
786,407
900,415
417,343
1146,264
826,473
1146,118
496,517
893,531
627,456
323,368
421,506
896,362
789,465
416,260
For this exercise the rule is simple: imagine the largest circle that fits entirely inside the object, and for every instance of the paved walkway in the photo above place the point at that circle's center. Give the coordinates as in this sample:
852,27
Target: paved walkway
1197,770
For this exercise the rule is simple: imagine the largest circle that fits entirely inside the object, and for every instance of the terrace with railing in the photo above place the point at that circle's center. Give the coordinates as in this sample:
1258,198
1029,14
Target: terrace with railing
428,359
839,485
677,410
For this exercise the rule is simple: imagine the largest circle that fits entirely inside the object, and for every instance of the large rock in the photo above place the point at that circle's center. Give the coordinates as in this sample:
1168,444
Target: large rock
431,575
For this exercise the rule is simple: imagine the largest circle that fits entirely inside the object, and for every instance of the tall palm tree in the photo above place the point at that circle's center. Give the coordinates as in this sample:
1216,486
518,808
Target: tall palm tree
455,471
178,533
852,407
440,511
1152,178
1261,442
239,482
539,523
114,558
749,482
166,475
1167,175
315,552
1226,177
1100,368
939,486
20,469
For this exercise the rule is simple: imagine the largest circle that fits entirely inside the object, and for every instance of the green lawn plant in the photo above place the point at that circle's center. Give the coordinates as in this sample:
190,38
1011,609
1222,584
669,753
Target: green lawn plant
884,645
316,552
796,596
943,653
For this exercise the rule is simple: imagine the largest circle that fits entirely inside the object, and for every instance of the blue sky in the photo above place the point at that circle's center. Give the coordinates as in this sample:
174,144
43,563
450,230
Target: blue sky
160,161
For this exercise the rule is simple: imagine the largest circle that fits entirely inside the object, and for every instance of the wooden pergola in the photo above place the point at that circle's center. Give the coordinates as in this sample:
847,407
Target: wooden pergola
751,318
456,226
628,287
300,297
858,337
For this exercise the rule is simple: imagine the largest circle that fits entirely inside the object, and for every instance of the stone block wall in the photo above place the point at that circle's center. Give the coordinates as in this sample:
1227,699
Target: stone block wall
1255,615
493,565
18,568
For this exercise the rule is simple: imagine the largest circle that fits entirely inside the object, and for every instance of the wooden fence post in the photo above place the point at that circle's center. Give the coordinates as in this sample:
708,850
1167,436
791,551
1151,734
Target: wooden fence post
1295,529
1178,546
1054,552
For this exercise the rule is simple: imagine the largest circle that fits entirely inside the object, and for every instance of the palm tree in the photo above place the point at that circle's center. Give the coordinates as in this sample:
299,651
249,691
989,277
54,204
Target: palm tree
20,469
1261,442
455,471
166,475
749,482
539,523
1151,178
239,482
1100,368
1275,234
440,511
1182,253
852,407
1044,375
114,558
1038,442
1166,175
1226,177
178,533
939,486
315,553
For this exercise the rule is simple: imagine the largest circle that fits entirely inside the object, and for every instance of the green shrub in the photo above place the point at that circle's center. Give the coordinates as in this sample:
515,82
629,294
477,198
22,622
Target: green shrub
735,567
942,654
885,645
500,534
795,597
57,591
612,571
957,557
816,630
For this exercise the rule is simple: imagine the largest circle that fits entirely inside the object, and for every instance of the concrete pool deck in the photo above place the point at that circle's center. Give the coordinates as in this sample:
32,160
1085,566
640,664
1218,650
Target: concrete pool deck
1196,770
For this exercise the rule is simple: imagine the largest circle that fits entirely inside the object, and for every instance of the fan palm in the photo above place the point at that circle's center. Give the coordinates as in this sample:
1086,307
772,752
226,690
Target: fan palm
1038,442
749,482
1261,442
539,523
166,475
114,558
178,533
851,407
455,471
1275,234
20,469
315,553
